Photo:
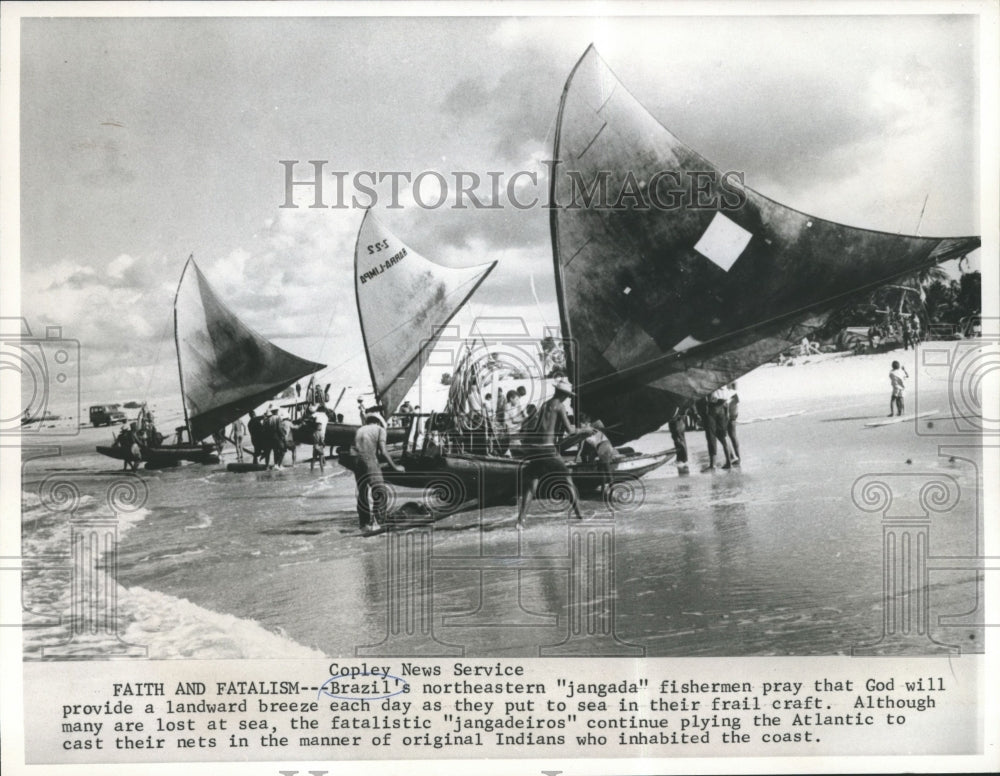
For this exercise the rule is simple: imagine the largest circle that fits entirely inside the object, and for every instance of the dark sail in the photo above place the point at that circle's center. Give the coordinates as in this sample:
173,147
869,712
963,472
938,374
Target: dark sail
226,367
674,279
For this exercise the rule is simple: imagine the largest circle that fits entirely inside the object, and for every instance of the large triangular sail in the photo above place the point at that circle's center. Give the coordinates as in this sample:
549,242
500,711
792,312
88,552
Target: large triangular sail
672,277
404,302
226,367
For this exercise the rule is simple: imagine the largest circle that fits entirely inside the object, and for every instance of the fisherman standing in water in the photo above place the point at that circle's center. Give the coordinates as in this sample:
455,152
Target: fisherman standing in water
718,408
129,442
708,424
255,427
274,438
369,444
543,460
318,420
239,433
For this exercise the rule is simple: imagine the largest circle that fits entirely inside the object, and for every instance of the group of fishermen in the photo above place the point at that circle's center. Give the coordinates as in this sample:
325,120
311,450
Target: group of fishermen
533,433
135,436
272,434
535,438
718,413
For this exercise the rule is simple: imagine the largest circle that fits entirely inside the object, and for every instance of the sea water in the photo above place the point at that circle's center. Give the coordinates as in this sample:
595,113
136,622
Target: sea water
773,557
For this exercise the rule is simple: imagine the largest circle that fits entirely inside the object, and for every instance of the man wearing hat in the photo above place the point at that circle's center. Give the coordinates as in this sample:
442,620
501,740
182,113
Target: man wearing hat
369,444
274,437
255,427
543,461
318,420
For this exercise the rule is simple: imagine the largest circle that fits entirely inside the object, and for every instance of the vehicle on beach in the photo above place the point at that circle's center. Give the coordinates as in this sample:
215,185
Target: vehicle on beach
106,415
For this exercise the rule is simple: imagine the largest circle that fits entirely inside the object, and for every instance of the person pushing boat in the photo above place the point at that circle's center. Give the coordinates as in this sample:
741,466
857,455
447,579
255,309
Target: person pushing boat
369,444
543,459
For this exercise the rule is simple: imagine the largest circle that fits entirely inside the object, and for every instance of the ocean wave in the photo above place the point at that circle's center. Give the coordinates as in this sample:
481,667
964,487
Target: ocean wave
172,627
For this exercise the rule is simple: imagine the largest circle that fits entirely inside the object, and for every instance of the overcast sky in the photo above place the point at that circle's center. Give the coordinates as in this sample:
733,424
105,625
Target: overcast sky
146,140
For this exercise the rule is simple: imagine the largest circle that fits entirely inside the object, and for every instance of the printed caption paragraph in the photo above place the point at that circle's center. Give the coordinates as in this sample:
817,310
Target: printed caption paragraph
407,709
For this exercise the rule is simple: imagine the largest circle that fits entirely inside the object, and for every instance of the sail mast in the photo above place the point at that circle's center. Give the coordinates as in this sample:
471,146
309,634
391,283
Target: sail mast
361,315
177,347
564,323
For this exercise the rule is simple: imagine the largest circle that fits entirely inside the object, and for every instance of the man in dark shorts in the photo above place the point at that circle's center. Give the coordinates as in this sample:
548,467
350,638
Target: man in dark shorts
255,427
678,426
718,408
708,424
370,445
543,460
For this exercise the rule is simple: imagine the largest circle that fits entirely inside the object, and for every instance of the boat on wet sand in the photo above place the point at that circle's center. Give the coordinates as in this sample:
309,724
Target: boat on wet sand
399,329
226,369
682,279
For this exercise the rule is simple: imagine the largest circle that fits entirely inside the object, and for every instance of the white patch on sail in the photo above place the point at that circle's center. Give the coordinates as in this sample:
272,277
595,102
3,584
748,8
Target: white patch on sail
723,242
686,344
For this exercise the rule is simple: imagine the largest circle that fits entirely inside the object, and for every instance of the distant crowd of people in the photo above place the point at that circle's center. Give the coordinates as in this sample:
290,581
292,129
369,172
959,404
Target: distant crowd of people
896,328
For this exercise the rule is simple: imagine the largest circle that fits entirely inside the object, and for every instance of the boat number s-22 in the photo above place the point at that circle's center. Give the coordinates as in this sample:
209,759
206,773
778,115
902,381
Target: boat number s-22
381,245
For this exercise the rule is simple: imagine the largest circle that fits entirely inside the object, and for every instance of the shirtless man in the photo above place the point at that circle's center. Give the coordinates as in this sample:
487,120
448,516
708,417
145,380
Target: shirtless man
370,444
544,460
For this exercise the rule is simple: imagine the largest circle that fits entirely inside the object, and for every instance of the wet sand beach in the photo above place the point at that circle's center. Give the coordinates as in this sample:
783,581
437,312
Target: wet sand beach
774,557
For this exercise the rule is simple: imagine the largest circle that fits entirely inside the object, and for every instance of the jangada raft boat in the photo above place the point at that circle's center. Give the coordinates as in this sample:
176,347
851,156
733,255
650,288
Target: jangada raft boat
664,299
399,329
226,369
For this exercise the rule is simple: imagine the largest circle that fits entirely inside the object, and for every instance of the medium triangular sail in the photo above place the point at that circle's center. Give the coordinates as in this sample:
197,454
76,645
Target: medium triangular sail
672,277
404,302
226,367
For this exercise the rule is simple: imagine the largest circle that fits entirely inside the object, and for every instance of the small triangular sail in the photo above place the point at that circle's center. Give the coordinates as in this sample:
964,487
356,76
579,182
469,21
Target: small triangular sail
672,277
226,367
404,303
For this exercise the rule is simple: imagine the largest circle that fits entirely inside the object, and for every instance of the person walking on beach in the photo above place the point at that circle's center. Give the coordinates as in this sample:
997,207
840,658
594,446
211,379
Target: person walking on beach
369,445
239,432
897,379
543,459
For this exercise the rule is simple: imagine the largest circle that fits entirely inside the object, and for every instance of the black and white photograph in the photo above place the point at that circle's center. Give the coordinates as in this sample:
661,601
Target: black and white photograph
586,385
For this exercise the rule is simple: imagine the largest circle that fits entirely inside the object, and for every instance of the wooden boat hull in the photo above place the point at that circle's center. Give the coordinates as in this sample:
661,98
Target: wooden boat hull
457,477
166,455
342,434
